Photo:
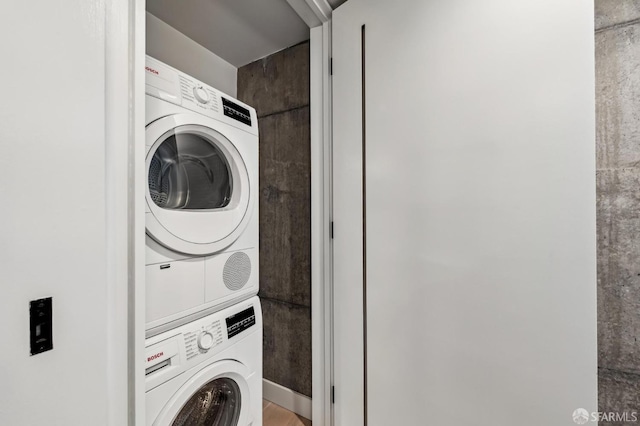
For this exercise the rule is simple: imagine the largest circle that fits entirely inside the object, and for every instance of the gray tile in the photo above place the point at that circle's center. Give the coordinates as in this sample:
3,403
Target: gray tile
287,345
612,12
618,392
279,82
618,224
286,137
618,97
285,247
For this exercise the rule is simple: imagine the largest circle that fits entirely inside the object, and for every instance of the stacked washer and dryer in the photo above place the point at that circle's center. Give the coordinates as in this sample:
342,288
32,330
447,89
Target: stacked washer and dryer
203,318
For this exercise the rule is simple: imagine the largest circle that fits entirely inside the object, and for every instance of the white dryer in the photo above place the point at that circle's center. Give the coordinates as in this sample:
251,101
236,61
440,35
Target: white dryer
201,199
208,372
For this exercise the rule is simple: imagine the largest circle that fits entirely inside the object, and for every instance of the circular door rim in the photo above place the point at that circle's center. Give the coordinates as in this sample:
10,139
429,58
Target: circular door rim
220,369
155,227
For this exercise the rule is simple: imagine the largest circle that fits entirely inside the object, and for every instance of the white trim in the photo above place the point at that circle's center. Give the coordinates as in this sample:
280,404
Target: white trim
321,8
286,398
124,126
116,187
313,12
304,11
136,191
321,266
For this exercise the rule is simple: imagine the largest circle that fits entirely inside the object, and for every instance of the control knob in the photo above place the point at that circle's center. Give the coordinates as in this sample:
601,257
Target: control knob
201,95
205,340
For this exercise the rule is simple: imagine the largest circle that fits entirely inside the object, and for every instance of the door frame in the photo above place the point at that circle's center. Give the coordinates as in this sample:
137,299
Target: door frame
317,15
321,220
125,112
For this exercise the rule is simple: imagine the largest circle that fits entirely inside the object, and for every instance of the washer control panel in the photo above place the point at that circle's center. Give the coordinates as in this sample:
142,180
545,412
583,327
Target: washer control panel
241,321
204,338
201,94
175,351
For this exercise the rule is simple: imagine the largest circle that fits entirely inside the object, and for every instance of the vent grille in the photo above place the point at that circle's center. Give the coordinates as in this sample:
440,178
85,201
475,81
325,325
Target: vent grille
237,271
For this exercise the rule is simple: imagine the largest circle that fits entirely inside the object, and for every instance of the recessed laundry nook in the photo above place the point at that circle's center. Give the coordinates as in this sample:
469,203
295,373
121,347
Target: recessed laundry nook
228,168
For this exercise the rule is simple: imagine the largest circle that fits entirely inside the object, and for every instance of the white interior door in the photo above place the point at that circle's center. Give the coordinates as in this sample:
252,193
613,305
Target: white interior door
464,270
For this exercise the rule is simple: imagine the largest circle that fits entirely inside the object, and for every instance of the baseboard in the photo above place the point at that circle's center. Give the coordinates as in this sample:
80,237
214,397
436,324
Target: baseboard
285,397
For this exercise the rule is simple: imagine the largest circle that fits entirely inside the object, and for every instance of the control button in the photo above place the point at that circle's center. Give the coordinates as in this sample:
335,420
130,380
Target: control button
201,95
205,340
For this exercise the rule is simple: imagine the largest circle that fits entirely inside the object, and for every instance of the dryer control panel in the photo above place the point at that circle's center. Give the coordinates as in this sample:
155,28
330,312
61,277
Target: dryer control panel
237,112
170,85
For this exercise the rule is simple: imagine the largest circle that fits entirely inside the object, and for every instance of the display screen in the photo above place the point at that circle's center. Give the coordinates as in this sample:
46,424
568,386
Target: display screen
239,322
237,112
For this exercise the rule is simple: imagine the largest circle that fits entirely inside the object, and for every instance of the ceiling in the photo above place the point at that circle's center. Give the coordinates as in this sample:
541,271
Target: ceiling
239,31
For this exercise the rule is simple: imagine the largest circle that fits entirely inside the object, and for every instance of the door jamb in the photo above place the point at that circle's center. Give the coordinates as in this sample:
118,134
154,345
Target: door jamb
321,217
124,166
317,15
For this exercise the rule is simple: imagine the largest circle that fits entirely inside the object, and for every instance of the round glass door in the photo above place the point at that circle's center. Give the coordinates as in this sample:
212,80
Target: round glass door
217,403
198,185
189,172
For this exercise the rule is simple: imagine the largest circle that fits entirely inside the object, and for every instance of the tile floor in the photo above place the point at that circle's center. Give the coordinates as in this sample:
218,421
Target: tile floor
275,415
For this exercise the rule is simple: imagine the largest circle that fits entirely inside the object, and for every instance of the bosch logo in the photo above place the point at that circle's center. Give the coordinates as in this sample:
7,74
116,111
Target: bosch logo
151,70
156,356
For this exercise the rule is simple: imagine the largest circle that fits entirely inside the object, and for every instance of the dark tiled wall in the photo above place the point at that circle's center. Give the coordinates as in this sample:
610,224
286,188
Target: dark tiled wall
278,87
617,38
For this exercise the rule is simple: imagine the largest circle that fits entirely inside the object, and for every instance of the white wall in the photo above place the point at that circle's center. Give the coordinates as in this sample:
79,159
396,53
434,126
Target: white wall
59,237
170,46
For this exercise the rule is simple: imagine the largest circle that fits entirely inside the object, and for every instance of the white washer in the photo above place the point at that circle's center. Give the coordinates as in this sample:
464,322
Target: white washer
208,372
201,199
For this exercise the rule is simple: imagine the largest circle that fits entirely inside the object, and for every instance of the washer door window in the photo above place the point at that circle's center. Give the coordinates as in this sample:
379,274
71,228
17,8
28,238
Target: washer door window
216,395
217,403
197,185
